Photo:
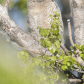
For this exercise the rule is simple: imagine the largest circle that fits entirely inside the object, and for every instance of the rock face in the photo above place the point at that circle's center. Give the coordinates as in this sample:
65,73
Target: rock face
38,15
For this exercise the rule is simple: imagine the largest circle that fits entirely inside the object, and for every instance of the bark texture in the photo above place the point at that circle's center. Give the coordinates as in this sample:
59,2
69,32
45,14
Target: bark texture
38,15
78,18
16,34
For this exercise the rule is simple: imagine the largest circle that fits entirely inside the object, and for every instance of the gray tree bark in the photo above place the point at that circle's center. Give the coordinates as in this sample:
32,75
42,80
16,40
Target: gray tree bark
38,15
78,18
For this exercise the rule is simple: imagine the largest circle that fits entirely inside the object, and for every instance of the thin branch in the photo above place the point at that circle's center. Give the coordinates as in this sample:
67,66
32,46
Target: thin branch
78,58
7,4
76,66
70,33
75,80
59,60
71,40
10,41
15,44
77,70
65,49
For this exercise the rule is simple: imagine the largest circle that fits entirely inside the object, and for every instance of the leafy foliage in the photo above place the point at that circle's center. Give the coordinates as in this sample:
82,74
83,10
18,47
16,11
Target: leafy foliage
51,40
30,73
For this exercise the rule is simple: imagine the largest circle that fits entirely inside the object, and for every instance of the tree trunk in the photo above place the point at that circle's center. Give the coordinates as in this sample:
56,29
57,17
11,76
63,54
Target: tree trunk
38,15
78,18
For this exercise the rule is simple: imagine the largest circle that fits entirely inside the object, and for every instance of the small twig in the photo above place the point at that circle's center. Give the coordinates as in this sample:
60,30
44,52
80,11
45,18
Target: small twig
10,41
75,80
65,49
77,70
76,66
70,33
71,40
16,44
78,58
59,60
7,4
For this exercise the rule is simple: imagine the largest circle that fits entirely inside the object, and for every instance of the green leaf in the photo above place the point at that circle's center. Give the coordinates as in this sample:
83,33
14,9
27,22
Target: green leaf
66,58
55,22
52,39
51,30
61,57
68,64
64,80
82,56
56,32
83,76
56,14
64,62
46,57
38,27
48,44
59,36
47,63
44,32
52,50
40,56
37,62
26,54
22,53
53,58
52,64
52,26
50,16
42,64
70,53
45,43
71,47
57,44
64,67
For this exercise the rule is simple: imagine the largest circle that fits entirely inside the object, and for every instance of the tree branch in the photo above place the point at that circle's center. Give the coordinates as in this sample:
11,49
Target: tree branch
17,35
70,33
75,80
65,49
7,4
77,56
77,70
11,41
